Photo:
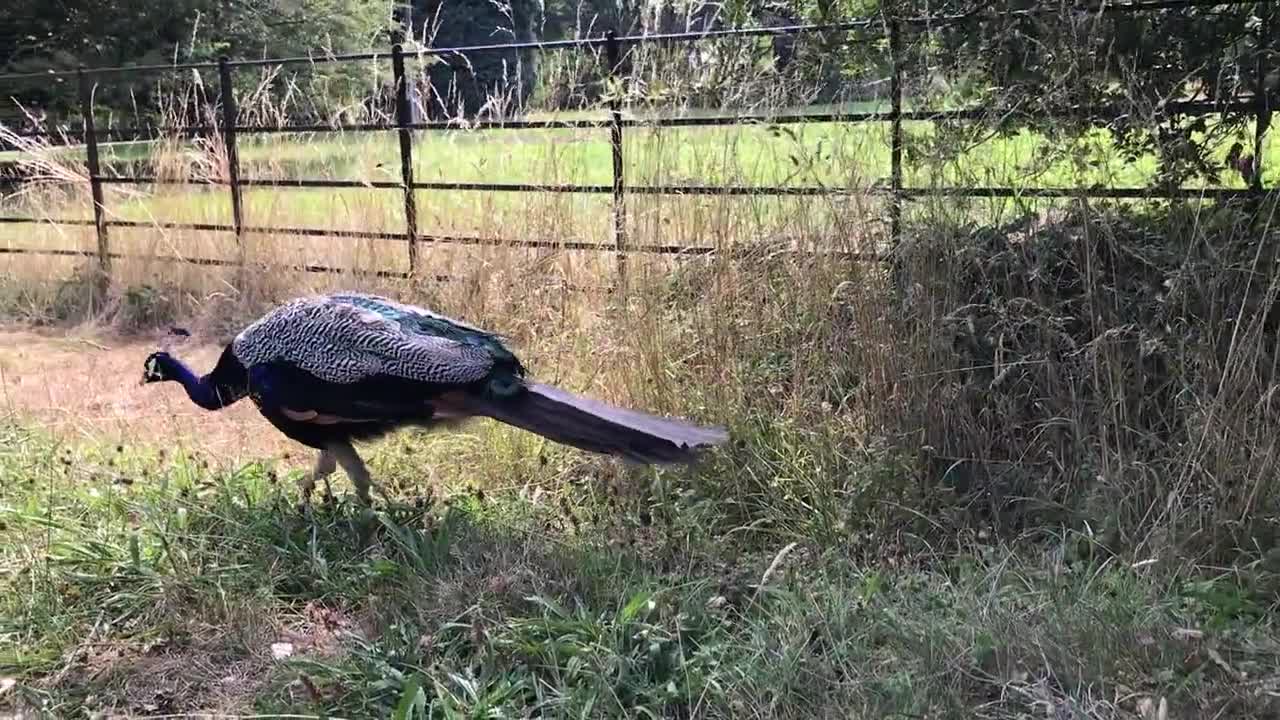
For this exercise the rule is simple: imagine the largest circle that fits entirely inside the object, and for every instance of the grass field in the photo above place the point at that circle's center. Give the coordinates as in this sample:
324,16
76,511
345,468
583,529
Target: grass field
824,154
840,156
139,581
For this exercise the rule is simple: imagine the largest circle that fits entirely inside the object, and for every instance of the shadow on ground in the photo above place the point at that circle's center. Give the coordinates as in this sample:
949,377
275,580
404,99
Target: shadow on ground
162,587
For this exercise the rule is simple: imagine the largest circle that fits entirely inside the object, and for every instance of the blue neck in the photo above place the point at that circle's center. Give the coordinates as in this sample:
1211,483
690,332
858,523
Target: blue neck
203,391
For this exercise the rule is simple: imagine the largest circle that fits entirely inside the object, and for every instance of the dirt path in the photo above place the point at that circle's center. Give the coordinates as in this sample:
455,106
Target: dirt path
85,385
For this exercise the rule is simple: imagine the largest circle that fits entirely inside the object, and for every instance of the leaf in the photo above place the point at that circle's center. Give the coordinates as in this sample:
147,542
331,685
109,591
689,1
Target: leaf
412,697
548,605
639,601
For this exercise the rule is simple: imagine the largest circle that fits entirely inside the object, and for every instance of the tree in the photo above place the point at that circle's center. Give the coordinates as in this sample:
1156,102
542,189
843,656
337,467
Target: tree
41,35
779,71
1024,58
477,83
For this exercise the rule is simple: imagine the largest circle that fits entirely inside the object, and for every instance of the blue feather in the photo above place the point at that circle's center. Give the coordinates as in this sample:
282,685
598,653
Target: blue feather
325,376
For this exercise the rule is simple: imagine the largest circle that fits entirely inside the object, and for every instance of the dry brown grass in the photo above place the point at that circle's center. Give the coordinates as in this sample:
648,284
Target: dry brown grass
1022,470
1018,398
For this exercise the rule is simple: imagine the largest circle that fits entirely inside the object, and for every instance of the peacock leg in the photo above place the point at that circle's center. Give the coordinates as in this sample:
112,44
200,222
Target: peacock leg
351,463
325,465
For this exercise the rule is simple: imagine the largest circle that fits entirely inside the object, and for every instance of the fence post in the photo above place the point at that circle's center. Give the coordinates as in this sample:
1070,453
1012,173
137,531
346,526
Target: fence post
1263,98
613,53
403,121
229,119
895,117
95,178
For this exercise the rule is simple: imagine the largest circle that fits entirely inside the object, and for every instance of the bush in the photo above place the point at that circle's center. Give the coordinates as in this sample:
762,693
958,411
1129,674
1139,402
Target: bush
1108,368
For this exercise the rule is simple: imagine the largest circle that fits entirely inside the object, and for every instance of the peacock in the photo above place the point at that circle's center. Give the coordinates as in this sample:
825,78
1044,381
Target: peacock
331,370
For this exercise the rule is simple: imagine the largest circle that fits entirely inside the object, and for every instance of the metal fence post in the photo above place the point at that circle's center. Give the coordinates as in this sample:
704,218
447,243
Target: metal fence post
95,177
895,117
229,119
1263,98
614,54
404,120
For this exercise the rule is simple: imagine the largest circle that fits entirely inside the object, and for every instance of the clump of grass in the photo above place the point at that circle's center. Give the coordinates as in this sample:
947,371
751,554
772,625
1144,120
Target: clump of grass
140,583
1098,368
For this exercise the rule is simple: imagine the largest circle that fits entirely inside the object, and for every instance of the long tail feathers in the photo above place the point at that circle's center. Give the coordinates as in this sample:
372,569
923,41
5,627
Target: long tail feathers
593,426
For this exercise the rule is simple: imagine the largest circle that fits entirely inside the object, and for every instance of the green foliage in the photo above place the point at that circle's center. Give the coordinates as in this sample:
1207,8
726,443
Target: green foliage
59,36
1027,63
470,84
568,19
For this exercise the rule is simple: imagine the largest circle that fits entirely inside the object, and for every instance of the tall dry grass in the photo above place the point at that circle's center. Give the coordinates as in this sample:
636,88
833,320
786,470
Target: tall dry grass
1015,368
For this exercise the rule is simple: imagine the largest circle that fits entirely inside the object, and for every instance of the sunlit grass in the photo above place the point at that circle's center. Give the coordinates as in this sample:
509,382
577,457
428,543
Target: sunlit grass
822,155
135,581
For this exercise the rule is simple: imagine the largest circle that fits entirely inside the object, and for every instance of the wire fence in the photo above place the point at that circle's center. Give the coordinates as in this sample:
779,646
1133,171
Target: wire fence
894,190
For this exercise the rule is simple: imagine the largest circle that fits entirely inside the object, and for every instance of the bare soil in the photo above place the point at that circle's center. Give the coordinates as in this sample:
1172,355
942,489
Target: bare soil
86,384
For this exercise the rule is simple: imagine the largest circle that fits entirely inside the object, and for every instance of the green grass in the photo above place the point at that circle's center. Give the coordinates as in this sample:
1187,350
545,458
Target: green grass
813,153
829,155
136,582
822,154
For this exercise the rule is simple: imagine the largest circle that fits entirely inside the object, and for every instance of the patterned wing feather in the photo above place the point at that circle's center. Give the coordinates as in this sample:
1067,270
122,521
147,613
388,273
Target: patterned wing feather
421,321
348,338
413,317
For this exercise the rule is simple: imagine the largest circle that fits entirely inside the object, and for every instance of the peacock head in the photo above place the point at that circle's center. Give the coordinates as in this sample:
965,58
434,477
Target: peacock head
159,367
